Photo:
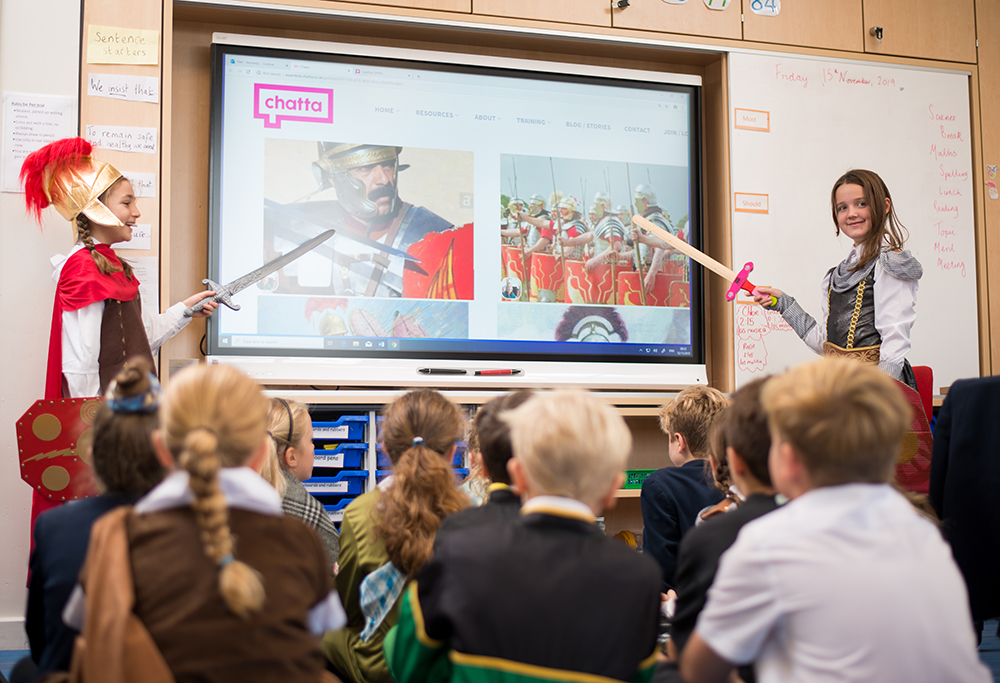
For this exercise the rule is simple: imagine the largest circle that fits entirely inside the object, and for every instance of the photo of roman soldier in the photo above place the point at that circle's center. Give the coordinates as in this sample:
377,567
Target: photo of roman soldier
395,238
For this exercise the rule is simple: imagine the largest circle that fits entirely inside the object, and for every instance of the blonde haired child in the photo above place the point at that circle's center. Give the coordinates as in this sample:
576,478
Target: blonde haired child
387,534
672,497
203,598
813,590
526,599
289,462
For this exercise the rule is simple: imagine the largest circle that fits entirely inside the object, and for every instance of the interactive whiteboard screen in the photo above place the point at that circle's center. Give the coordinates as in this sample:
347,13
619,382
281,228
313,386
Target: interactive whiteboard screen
478,214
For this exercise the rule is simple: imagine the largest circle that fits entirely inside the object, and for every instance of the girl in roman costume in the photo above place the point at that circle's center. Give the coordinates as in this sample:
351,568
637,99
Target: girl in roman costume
869,298
97,318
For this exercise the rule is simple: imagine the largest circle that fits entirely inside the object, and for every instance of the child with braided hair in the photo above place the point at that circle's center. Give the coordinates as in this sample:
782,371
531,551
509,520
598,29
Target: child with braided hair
198,593
388,534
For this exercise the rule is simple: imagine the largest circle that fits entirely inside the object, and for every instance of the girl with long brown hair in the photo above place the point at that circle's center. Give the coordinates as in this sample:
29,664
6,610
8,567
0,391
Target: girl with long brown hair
869,298
388,534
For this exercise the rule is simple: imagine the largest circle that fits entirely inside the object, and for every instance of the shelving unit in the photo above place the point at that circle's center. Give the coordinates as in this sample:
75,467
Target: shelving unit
640,411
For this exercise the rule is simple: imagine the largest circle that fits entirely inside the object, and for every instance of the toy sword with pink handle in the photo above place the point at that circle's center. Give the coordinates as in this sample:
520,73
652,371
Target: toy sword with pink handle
739,280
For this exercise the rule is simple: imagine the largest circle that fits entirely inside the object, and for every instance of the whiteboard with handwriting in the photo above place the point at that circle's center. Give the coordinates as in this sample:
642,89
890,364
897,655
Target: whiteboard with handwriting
797,124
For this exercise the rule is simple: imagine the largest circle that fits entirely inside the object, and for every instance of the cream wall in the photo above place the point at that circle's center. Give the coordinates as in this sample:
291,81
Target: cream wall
39,53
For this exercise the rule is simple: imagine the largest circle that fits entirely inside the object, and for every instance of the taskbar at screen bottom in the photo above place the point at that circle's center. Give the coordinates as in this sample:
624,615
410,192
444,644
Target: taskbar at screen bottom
253,344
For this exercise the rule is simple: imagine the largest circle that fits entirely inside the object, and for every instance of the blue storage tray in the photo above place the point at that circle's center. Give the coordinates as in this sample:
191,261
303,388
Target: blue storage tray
347,428
382,458
460,474
348,482
336,511
349,455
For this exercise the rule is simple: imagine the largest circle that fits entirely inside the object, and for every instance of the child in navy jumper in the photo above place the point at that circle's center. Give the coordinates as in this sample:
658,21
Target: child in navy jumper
672,497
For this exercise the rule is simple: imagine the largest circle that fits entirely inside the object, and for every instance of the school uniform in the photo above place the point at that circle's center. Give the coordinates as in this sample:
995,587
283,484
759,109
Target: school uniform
502,505
362,552
965,477
61,537
698,561
299,503
671,499
563,603
843,583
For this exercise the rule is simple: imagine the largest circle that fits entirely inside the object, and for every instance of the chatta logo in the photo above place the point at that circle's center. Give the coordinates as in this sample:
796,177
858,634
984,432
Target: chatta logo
277,103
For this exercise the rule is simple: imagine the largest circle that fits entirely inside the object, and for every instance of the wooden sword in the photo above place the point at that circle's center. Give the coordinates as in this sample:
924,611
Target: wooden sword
739,280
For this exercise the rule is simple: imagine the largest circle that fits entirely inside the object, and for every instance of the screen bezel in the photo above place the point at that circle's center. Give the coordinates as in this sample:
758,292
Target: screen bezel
621,370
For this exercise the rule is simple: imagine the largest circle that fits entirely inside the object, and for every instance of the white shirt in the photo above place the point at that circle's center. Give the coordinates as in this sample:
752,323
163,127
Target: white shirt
81,336
895,313
844,583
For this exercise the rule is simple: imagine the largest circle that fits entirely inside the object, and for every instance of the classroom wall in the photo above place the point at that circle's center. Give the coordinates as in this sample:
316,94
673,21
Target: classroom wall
39,53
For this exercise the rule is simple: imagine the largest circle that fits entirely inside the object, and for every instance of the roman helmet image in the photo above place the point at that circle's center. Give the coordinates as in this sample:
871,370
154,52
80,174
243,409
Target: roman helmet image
336,163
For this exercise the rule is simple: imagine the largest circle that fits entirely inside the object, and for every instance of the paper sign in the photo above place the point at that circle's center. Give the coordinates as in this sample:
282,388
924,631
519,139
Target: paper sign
766,8
123,138
122,87
114,45
143,184
748,202
717,4
752,119
142,234
146,270
29,123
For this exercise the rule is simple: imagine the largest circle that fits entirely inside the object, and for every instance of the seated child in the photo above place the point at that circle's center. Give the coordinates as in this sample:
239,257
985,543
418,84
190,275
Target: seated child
495,450
743,442
846,582
388,534
289,462
546,597
672,497
206,579
126,468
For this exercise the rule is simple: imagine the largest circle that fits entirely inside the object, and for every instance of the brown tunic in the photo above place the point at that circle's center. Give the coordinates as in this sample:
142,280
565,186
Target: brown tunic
177,598
123,336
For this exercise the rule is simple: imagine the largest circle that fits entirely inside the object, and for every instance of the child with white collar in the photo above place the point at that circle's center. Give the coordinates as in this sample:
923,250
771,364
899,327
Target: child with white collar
535,597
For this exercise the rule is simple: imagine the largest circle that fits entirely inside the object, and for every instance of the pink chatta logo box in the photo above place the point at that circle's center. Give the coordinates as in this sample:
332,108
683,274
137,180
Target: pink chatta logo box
278,103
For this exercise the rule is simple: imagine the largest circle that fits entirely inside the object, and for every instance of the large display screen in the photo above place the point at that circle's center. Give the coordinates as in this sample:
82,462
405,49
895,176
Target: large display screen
472,212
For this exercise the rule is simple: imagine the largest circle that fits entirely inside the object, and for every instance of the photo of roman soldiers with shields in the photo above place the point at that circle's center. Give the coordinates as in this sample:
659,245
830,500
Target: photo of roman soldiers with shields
593,255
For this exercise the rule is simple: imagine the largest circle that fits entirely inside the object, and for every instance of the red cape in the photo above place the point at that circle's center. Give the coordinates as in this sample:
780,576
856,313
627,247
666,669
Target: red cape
81,284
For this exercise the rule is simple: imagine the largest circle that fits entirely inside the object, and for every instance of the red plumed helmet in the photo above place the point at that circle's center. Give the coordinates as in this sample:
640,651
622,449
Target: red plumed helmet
65,175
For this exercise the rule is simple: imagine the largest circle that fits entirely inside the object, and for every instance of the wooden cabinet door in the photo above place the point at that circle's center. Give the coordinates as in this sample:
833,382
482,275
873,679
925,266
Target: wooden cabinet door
590,12
691,18
833,24
930,29
444,5
464,6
